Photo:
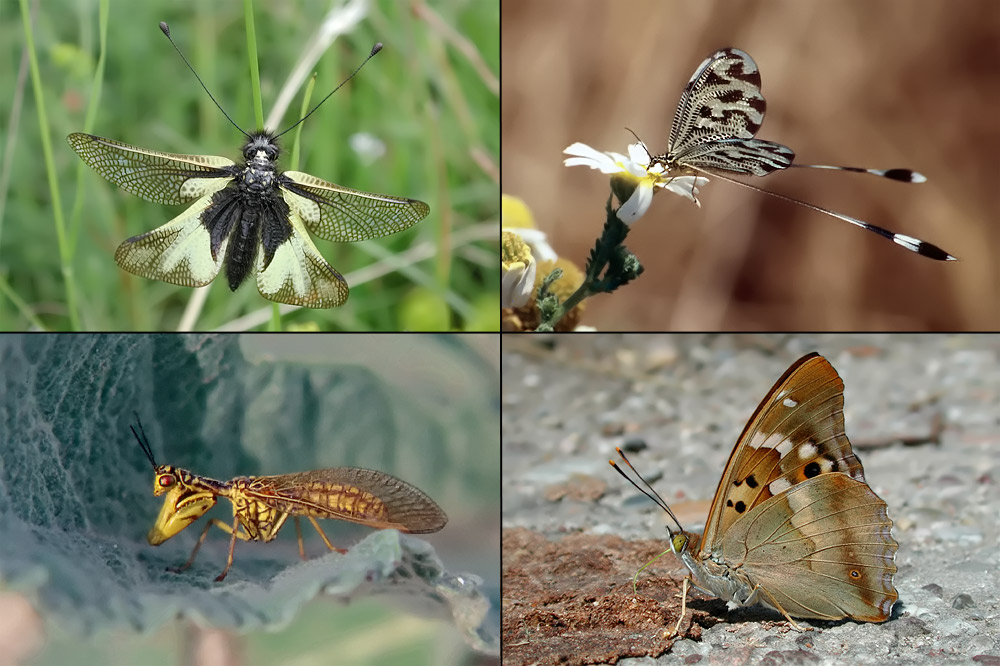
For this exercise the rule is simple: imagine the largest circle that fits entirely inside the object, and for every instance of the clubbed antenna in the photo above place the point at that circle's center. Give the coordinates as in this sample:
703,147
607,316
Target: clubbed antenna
166,31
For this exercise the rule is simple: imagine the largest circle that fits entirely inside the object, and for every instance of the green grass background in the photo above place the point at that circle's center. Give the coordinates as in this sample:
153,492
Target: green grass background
424,96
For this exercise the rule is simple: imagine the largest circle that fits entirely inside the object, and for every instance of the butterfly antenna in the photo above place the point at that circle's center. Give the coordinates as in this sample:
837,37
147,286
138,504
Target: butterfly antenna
143,441
651,494
909,242
375,49
166,31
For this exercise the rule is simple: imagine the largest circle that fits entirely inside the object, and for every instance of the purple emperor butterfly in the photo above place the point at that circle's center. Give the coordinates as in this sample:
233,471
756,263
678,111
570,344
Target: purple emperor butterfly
794,525
720,111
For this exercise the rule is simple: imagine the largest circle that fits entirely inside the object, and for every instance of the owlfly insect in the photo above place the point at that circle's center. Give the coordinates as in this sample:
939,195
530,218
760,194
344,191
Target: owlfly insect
262,504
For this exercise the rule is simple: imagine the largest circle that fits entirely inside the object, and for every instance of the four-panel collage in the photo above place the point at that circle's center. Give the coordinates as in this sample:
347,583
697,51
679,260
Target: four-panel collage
740,401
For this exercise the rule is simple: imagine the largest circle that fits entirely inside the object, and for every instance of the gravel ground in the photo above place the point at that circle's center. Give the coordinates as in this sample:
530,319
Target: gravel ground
923,413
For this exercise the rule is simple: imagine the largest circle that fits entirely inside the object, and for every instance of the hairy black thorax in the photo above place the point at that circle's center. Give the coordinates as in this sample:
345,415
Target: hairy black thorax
250,210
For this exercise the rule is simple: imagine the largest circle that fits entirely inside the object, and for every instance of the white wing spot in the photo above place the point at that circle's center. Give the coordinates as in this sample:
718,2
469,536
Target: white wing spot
773,440
779,486
788,402
808,450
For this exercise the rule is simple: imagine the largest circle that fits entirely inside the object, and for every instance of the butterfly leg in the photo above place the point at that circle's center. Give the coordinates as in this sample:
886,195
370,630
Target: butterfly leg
781,610
685,586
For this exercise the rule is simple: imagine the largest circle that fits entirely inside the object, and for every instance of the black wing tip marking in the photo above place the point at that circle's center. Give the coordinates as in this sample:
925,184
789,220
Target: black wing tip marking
923,248
904,175
934,252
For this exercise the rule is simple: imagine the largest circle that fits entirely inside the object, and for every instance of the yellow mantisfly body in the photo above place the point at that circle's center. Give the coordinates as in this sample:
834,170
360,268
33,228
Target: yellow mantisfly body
262,504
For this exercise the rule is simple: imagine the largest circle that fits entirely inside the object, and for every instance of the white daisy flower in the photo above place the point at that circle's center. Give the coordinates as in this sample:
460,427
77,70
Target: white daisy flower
633,180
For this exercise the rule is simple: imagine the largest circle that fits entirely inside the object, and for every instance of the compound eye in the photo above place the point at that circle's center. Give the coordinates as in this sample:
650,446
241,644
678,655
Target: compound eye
166,480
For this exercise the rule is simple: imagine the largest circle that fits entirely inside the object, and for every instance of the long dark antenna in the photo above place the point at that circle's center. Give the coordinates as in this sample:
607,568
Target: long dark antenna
143,441
166,31
375,49
641,143
652,494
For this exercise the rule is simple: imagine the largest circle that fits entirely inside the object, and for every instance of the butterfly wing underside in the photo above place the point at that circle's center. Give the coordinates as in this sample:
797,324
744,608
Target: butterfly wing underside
793,510
820,550
796,433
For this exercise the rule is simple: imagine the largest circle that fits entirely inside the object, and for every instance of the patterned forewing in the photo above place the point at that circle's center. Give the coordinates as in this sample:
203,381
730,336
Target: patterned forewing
364,496
797,433
164,178
721,101
341,214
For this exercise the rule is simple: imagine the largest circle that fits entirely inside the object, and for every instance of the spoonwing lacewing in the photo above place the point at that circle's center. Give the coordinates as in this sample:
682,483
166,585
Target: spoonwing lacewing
719,113
247,216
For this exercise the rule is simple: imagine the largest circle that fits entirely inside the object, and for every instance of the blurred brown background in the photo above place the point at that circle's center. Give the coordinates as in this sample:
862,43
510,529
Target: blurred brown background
887,83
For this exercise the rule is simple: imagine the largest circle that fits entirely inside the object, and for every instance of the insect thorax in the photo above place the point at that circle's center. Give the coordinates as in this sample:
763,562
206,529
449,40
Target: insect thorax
671,166
250,212
718,578
259,174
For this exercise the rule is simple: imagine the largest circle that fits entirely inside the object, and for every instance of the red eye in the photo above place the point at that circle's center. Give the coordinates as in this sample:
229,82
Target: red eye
166,481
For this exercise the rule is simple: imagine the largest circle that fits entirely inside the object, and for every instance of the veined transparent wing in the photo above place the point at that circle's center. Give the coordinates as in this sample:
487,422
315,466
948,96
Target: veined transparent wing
358,495
180,251
341,214
164,178
297,273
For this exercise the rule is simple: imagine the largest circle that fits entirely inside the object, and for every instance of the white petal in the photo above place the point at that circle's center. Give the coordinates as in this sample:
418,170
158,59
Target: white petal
686,186
637,153
517,284
637,204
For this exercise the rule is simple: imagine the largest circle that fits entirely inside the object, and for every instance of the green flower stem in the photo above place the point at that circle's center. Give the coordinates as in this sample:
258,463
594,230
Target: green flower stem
609,253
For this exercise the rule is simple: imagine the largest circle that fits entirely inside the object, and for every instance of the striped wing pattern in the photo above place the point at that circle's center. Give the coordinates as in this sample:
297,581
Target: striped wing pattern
752,157
720,111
